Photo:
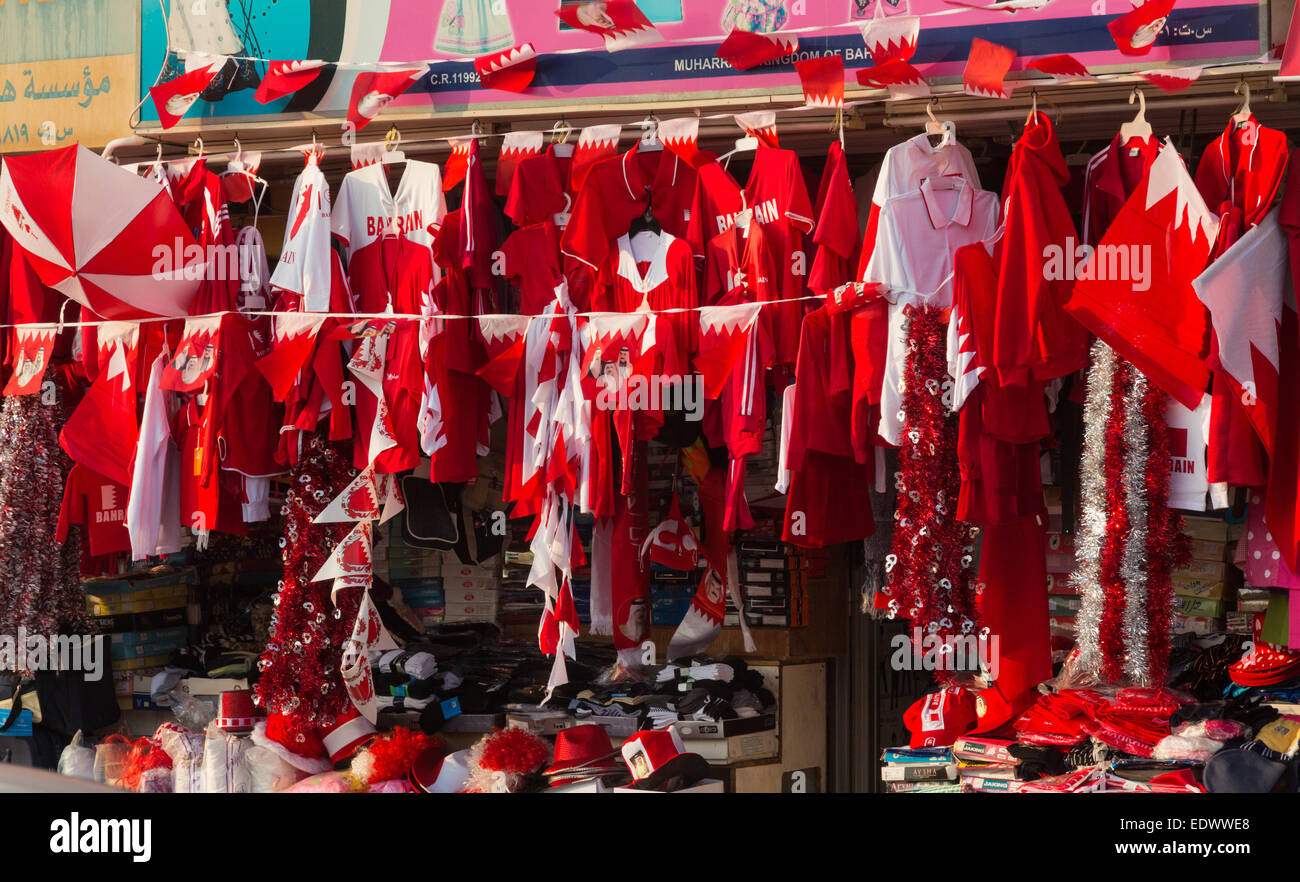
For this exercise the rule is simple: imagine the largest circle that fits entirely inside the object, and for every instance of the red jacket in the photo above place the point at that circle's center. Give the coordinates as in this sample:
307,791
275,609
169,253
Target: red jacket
1033,336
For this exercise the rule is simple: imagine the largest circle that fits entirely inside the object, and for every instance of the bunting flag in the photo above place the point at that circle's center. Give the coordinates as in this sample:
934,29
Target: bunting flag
986,69
672,542
893,37
367,154
359,501
1245,292
33,347
724,331
760,124
1136,31
286,77
619,22
368,636
458,161
351,558
102,432
293,339
594,144
682,137
391,490
901,79
511,70
822,80
703,620
515,148
746,49
612,332
174,98
1061,68
195,359
503,338
1171,79
367,365
373,90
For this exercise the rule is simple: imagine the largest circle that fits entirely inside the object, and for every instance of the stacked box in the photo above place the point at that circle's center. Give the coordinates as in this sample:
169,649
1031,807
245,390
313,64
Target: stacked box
1206,587
144,615
425,597
774,576
470,589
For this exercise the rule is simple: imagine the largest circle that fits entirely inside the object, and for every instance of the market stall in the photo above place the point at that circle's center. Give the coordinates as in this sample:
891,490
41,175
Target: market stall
611,400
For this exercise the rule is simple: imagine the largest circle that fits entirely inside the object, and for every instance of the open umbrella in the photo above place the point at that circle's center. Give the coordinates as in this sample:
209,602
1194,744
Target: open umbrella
99,234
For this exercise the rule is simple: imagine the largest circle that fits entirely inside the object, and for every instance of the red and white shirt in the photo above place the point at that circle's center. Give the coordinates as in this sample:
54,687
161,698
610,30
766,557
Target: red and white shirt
778,197
306,265
918,235
903,168
98,504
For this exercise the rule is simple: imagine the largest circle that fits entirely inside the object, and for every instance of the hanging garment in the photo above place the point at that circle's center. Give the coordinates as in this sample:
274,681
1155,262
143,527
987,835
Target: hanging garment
1153,318
530,257
1033,336
617,190
99,505
309,267
153,502
541,189
202,203
1284,461
837,235
821,461
918,234
1239,176
777,196
903,168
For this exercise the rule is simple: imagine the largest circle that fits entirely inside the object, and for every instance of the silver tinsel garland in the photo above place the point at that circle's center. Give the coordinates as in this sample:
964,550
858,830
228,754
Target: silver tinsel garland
1092,492
40,579
1133,563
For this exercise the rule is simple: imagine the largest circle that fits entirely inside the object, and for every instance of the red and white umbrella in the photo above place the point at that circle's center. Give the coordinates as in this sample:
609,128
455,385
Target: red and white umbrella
102,236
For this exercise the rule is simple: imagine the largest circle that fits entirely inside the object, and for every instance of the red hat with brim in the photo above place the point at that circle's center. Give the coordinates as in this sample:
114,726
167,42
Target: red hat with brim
349,732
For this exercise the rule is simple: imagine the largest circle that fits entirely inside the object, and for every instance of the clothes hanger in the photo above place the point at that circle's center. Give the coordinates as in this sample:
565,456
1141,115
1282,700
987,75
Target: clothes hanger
1033,110
1242,116
560,133
946,130
1138,127
393,156
645,223
747,144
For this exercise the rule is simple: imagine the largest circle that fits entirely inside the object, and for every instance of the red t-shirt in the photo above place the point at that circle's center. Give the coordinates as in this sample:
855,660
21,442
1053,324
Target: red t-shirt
531,257
98,504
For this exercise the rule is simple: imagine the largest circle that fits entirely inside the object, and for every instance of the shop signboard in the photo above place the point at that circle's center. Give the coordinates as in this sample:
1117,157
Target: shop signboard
450,33
68,72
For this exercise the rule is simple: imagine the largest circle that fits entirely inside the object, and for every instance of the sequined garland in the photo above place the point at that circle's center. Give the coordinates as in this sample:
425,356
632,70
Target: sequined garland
930,565
40,578
1092,521
1111,637
1133,563
1129,539
300,665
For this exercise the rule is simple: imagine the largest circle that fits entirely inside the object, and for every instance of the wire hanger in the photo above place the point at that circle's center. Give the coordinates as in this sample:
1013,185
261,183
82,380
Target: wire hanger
1138,127
1033,110
196,149
237,166
946,130
391,155
1242,116
560,133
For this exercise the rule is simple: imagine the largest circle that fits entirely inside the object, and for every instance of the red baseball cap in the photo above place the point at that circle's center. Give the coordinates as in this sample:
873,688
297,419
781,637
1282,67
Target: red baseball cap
940,718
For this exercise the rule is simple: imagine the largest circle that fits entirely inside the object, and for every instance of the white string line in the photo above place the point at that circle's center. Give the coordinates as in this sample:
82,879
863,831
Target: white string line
389,316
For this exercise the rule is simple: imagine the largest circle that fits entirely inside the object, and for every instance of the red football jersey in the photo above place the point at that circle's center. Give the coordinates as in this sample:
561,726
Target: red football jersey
531,258
778,197
98,504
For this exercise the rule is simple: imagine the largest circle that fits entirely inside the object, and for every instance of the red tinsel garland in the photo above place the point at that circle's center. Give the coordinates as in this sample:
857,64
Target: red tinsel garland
1166,545
300,666
930,574
1111,636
